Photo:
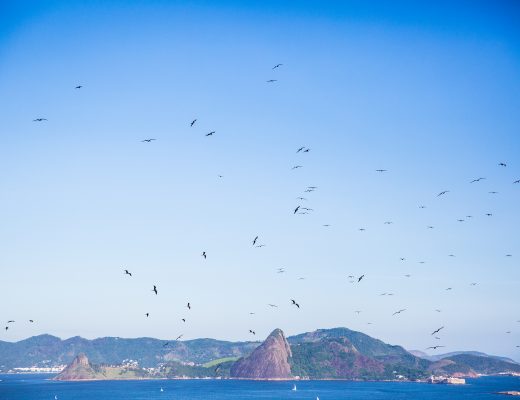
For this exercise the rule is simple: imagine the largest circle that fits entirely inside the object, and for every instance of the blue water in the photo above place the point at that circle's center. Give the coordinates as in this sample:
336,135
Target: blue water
37,387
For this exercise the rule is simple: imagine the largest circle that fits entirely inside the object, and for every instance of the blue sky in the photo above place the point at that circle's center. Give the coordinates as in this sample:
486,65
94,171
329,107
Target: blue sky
429,93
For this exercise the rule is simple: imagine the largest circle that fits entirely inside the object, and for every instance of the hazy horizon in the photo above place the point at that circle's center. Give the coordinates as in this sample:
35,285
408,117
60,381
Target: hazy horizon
427,92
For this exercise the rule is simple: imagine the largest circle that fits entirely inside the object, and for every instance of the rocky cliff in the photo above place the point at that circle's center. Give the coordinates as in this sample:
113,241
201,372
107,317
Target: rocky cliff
268,361
78,369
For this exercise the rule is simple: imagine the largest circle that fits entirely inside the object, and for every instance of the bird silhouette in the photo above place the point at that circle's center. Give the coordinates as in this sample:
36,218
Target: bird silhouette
254,240
399,311
148,140
434,347
166,344
295,303
210,133
154,289
147,315
297,166
128,272
477,180
277,66
381,170
437,330
178,337
193,122
253,332
502,164
189,306
31,321
78,87
296,209
517,181
361,277
204,254
183,319
39,119
273,305
443,193
271,80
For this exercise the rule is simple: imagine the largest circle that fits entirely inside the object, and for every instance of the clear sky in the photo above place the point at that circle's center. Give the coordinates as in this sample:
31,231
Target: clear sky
429,92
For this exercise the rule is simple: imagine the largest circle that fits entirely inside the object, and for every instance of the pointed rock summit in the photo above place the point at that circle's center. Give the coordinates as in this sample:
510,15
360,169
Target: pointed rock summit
78,369
270,360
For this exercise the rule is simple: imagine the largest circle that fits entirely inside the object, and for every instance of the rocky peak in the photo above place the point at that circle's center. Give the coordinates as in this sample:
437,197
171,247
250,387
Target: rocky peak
270,360
78,369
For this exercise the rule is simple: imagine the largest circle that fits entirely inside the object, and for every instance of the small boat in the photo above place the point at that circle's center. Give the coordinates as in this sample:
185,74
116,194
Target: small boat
294,388
162,390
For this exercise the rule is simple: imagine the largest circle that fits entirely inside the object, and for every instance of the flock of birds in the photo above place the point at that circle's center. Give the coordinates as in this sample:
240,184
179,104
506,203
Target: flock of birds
300,209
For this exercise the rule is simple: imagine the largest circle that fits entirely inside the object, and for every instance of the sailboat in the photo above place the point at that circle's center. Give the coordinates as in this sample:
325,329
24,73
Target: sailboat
294,388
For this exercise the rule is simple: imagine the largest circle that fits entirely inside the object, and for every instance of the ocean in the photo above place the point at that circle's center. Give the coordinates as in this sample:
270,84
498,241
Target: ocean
38,387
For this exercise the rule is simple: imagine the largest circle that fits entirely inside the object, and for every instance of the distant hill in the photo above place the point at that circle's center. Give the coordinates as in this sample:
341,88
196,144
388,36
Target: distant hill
438,357
47,350
338,353
472,365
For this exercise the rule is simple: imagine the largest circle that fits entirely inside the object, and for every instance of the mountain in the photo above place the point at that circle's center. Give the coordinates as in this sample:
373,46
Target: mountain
472,365
438,357
338,353
78,369
345,354
47,350
270,360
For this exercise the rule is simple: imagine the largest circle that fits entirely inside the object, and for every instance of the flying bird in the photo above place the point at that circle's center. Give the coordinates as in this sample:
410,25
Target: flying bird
271,80
128,272
39,119
254,240
277,66
437,330
517,181
361,277
193,122
189,306
11,321
204,254
399,311
296,209
381,170
210,133
178,337
154,289
273,305
148,140
477,180
434,347
31,321
443,192
78,87
166,344
297,166
294,303
253,332
183,319
300,149
502,164
147,315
